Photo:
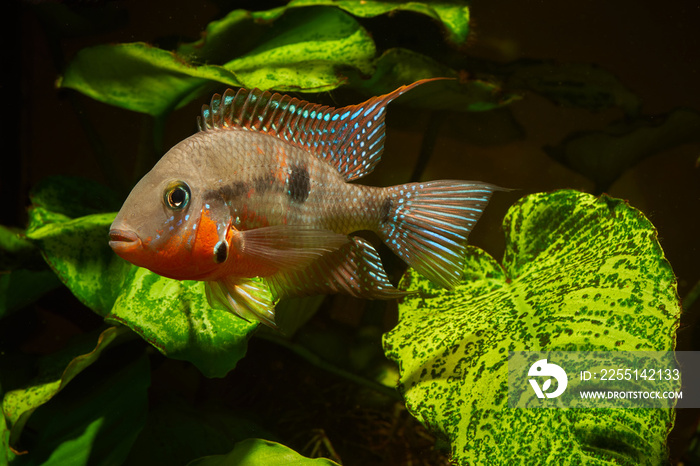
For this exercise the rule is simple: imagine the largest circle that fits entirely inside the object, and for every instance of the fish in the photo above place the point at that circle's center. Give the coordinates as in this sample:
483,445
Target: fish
259,205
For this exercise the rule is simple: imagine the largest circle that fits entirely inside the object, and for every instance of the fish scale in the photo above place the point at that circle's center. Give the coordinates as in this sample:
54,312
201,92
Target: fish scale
257,204
330,203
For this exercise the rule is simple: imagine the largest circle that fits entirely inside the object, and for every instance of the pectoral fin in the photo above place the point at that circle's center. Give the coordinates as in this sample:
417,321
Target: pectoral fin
287,247
249,298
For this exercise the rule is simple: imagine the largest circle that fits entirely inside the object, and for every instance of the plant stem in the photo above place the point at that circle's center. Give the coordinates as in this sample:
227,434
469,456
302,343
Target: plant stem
317,361
426,148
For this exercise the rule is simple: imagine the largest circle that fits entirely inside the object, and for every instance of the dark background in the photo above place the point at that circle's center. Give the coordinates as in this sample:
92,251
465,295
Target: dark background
652,47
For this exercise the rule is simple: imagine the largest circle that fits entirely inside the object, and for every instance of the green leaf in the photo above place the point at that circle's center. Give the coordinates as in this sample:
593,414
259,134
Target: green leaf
579,273
18,405
453,17
239,31
301,51
305,50
234,35
139,77
257,452
16,251
578,85
24,277
73,196
603,156
55,200
78,252
39,217
96,419
6,453
175,317
308,45
402,66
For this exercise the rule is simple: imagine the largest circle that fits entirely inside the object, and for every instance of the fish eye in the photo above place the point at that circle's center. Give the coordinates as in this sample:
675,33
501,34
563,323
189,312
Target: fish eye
177,195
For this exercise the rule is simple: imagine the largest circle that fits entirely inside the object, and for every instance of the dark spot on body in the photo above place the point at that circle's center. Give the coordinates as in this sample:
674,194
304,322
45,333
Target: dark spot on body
298,184
220,252
385,210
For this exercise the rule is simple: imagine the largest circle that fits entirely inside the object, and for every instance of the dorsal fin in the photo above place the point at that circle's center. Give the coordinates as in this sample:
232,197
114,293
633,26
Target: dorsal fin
349,138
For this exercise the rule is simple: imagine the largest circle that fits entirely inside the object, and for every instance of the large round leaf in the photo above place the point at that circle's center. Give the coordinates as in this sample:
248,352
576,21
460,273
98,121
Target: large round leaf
579,274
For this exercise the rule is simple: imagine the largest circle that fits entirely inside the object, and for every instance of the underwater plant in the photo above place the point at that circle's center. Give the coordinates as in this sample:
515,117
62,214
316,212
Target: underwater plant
154,374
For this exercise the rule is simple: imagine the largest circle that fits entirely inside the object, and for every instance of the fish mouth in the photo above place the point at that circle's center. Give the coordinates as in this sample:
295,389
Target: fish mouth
123,240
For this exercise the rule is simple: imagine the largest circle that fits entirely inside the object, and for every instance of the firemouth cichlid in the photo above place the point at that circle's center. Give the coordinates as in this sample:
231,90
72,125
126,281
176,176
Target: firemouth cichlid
258,205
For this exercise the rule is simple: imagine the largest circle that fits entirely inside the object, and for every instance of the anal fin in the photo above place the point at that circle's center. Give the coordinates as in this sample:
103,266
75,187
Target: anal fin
355,269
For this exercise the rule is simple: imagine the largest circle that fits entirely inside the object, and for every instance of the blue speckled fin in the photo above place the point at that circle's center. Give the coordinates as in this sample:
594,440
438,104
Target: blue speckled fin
248,298
353,269
427,225
350,138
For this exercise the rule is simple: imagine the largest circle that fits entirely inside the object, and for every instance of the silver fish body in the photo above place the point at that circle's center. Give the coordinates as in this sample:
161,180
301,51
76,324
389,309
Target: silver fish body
258,204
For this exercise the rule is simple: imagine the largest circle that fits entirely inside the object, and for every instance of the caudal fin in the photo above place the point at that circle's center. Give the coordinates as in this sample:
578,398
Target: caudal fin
427,224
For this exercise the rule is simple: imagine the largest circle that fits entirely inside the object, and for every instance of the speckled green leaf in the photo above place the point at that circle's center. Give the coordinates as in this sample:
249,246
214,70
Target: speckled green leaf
78,252
39,217
307,45
175,317
18,405
241,30
301,51
139,77
453,16
304,51
579,273
603,156
254,452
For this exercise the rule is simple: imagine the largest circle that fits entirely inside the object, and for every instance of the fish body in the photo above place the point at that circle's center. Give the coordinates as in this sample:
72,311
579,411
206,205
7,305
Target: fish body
258,205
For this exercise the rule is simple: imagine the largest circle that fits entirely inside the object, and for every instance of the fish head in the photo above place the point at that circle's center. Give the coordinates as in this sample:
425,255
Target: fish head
167,226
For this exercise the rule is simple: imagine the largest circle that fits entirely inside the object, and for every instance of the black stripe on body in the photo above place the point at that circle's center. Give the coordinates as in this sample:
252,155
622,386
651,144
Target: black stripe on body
386,209
231,191
264,182
236,189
